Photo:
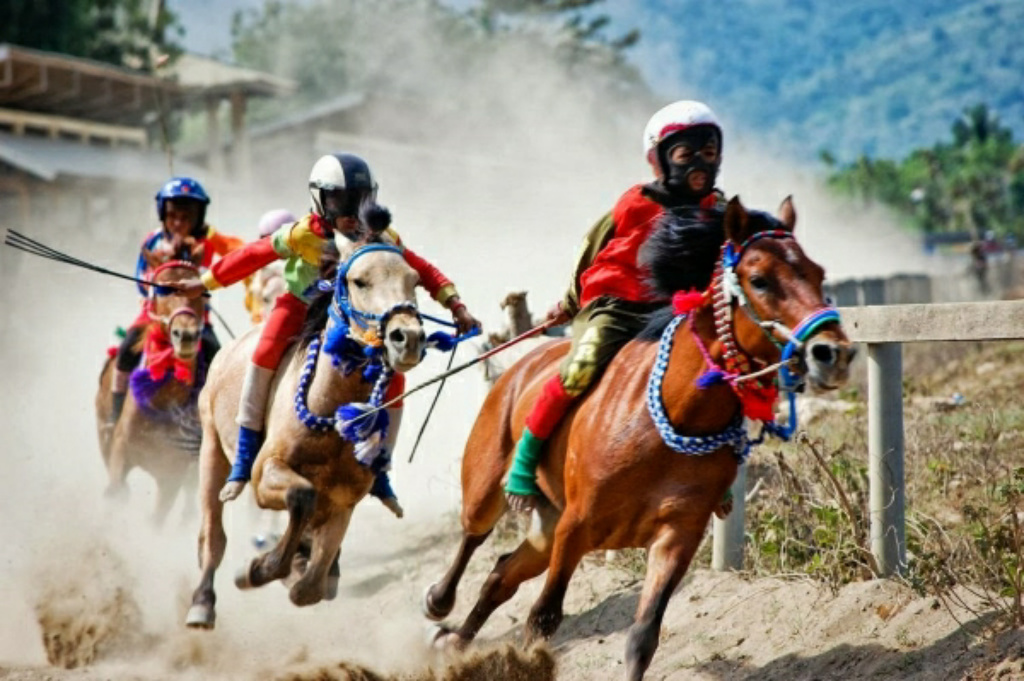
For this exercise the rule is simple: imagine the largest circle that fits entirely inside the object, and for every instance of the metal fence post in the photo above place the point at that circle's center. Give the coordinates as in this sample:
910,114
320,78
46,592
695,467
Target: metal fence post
885,453
727,553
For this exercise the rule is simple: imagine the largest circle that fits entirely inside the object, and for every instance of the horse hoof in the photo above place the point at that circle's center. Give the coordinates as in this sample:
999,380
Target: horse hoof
303,595
444,640
200,616
243,580
430,611
331,587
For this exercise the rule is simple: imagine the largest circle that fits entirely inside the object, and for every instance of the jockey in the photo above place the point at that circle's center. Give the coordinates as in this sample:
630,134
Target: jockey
339,185
608,300
256,302
184,235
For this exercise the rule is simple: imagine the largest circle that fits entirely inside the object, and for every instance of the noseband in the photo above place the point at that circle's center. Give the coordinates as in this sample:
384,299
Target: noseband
343,313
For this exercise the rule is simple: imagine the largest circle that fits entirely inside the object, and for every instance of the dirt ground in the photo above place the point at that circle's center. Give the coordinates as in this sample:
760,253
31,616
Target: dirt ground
718,626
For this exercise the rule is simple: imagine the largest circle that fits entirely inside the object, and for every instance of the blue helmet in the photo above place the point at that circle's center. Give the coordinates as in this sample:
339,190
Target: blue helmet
182,189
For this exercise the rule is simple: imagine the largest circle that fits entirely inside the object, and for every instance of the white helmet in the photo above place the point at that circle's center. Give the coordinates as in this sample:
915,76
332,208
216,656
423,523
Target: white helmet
673,118
341,172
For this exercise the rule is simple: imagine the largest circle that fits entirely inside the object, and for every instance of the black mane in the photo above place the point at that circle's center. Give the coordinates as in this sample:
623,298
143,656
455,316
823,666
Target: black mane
681,254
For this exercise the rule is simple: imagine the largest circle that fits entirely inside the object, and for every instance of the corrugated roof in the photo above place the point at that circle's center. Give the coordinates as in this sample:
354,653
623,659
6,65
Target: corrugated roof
49,159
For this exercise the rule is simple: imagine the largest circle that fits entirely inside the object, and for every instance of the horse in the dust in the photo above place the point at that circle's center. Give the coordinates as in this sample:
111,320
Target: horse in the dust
158,430
310,472
610,476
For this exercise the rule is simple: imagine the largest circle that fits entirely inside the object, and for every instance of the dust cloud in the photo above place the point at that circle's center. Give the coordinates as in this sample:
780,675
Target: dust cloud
500,202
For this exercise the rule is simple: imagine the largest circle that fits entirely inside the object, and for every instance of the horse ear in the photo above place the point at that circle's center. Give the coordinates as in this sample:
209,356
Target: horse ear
787,213
736,223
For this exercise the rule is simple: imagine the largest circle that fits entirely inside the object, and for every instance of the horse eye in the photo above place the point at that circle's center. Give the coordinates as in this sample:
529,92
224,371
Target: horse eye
759,283
360,283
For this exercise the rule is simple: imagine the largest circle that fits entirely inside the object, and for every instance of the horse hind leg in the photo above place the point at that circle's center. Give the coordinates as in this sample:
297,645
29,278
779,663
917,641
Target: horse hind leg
213,471
668,559
528,560
280,486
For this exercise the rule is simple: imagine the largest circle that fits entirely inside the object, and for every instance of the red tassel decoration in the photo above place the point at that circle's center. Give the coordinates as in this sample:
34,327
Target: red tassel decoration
685,302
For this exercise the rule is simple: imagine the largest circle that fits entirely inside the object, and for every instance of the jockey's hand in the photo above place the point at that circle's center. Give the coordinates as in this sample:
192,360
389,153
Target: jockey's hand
191,288
231,490
558,315
464,321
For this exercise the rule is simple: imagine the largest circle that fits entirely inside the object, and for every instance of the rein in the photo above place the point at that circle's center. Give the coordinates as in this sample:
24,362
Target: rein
726,289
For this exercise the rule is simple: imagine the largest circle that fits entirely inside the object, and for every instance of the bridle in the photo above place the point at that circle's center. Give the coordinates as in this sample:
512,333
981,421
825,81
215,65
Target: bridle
169,289
726,288
368,325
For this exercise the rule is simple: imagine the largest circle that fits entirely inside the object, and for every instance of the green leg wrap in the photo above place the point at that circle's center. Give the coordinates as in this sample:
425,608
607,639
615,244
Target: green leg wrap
522,478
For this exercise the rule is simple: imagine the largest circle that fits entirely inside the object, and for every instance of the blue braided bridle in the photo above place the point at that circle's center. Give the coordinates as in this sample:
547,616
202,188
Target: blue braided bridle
735,433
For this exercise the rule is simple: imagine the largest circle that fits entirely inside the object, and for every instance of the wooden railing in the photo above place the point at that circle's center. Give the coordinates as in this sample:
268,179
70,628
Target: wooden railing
884,329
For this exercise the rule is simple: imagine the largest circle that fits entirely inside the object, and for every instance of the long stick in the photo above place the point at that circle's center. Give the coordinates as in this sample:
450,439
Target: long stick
24,243
433,403
462,367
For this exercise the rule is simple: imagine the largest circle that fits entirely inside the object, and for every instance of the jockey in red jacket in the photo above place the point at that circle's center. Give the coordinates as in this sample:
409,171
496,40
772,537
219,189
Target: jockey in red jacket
339,184
608,300
184,235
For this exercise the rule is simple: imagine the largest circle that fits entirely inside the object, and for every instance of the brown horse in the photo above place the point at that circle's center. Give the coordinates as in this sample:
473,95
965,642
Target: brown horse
158,430
611,480
309,472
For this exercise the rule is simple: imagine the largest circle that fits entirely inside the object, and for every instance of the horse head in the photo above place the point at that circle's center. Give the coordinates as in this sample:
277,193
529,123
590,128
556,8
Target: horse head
376,289
180,318
773,292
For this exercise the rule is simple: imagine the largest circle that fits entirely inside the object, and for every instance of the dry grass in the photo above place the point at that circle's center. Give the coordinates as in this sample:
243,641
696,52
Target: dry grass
964,474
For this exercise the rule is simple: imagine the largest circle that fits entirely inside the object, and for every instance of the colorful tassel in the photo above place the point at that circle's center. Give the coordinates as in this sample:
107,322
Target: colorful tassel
362,429
685,302
710,377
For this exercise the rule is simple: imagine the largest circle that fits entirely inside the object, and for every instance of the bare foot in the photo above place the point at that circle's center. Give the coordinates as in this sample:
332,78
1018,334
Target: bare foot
724,508
231,490
392,505
520,503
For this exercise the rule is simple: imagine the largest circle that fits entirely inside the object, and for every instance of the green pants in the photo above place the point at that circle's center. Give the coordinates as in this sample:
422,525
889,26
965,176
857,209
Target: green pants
599,331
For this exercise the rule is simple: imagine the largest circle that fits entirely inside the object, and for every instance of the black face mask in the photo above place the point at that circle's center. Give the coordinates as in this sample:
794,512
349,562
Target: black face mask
677,175
343,203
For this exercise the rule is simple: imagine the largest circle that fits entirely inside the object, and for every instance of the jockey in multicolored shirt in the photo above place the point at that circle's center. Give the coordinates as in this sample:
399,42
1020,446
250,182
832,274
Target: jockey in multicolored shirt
339,185
608,300
184,235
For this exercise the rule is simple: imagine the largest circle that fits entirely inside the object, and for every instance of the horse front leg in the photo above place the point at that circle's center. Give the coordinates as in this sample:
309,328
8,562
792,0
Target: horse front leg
570,545
213,471
439,599
528,560
117,461
280,487
667,561
311,587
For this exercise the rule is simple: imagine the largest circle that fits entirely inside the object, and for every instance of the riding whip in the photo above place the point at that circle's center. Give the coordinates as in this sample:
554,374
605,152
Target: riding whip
462,367
433,403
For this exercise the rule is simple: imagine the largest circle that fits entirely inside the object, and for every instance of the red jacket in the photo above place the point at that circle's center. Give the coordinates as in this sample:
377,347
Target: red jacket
607,264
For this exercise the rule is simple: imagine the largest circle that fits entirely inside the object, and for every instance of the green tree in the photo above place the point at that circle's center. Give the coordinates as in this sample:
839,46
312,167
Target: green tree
974,184
113,31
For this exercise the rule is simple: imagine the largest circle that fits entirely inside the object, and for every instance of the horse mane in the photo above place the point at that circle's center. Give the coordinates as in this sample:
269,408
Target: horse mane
681,255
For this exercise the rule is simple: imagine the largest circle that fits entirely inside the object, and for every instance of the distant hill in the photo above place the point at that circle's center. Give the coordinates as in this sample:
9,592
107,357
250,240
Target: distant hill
871,76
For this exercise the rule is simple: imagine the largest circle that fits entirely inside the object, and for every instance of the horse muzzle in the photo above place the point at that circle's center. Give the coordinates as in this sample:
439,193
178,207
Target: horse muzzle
828,362
404,345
